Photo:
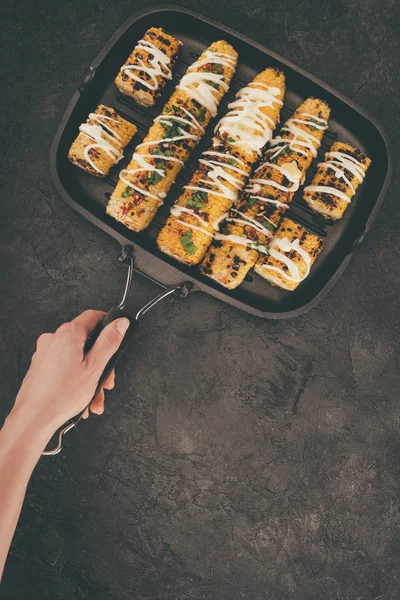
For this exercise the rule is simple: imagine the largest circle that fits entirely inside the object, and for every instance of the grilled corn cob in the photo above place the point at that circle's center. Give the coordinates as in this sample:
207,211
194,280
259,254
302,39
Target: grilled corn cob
158,159
223,168
292,253
250,225
101,141
147,69
336,180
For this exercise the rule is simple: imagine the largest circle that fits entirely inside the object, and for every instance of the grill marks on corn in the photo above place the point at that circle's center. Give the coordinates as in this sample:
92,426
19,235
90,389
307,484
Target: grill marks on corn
250,226
291,255
336,180
206,78
170,140
101,141
149,66
249,122
177,129
224,168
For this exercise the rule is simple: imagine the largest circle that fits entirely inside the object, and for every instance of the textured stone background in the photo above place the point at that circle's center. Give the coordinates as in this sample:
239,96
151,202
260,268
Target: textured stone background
237,458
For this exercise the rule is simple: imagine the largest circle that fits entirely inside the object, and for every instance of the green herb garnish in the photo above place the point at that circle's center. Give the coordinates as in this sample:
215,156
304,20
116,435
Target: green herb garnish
161,152
198,200
217,68
251,201
187,243
231,140
127,192
268,224
153,176
232,162
260,247
172,129
213,84
173,108
287,151
315,122
202,115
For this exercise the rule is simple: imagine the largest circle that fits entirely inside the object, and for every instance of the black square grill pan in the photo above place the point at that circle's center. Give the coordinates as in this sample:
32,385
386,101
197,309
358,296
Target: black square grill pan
89,195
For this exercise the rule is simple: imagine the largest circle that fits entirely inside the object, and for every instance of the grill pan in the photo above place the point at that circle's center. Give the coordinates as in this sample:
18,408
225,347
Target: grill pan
89,195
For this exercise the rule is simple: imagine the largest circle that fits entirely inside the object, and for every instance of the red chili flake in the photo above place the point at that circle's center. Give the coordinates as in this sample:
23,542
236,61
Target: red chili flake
252,233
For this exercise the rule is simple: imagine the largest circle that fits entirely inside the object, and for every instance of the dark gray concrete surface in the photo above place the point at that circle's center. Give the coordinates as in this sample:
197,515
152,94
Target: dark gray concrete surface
237,458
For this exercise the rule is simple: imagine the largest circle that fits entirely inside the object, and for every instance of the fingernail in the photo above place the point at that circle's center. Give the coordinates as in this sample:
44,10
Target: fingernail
122,325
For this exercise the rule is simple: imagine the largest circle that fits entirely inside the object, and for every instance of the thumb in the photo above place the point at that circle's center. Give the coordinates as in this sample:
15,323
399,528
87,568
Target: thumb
107,344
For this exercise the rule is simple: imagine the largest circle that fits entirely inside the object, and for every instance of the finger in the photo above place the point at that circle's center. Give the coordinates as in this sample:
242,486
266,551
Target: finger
110,381
97,404
78,329
88,320
106,345
43,342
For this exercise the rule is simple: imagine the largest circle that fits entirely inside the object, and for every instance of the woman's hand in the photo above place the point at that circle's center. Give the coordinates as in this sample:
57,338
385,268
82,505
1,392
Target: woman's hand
60,383
61,380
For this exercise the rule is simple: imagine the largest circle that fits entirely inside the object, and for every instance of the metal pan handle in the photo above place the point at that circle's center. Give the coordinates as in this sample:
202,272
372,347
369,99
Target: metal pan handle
182,290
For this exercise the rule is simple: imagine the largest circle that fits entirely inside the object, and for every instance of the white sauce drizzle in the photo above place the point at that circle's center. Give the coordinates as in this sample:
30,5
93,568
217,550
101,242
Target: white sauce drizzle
236,239
214,57
300,138
314,118
246,121
177,210
273,184
99,134
350,163
239,160
289,170
306,122
158,66
194,83
325,189
101,118
218,221
346,162
286,245
249,221
256,188
163,119
147,167
217,177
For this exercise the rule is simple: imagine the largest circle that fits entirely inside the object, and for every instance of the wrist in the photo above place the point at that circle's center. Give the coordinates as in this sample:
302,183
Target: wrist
26,430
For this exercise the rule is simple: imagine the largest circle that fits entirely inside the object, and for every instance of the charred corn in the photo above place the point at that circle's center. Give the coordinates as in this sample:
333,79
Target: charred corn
224,168
144,184
101,141
147,69
291,255
246,232
336,180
